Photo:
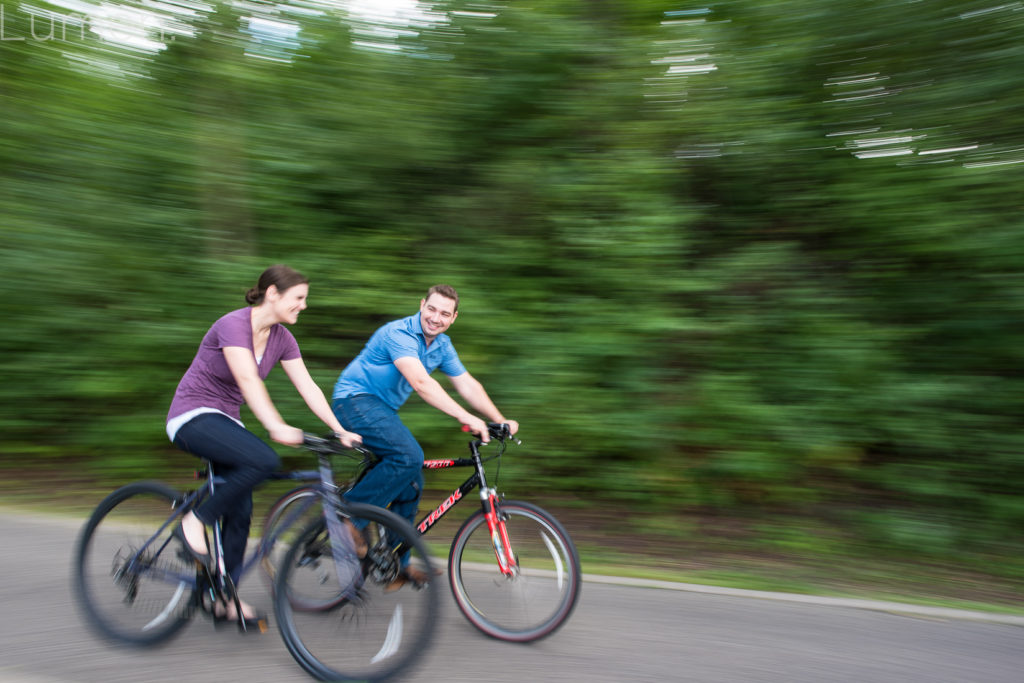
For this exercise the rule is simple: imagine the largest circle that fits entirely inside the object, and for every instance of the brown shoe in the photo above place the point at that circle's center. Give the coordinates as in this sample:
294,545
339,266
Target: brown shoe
358,540
417,577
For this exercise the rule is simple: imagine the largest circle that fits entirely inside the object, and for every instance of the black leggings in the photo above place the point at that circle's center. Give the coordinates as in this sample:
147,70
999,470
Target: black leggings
243,461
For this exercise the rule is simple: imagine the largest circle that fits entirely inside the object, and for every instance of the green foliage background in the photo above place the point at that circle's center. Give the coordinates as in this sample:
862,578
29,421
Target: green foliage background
751,259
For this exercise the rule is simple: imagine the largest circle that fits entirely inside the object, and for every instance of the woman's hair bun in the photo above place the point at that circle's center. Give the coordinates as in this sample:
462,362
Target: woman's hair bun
279,276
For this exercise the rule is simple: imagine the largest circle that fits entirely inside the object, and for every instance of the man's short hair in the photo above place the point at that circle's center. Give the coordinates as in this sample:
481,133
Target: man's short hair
447,291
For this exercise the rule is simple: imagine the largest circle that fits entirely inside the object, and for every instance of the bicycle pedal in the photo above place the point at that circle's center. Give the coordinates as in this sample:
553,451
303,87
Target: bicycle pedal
254,626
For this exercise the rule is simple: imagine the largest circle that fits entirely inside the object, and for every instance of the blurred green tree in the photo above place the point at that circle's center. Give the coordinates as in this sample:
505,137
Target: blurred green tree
746,257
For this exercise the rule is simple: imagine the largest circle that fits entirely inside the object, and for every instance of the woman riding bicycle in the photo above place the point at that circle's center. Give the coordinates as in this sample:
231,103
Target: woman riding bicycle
234,357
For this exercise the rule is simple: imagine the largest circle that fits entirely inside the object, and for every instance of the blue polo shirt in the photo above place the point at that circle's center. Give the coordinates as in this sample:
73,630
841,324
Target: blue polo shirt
373,371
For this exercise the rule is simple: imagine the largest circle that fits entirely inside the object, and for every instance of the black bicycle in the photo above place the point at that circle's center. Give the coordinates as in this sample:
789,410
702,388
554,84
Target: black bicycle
137,584
513,569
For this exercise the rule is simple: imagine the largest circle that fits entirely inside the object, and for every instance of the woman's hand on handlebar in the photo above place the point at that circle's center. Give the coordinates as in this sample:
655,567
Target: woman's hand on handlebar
513,427
287,435
349,439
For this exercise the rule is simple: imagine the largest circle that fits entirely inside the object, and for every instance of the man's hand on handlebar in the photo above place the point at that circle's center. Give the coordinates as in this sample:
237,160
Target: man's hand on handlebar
478,427
499,430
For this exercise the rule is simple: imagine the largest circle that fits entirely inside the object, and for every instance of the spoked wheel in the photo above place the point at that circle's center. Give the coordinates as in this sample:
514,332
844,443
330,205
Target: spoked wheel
134,581
286,521
539,595
374,630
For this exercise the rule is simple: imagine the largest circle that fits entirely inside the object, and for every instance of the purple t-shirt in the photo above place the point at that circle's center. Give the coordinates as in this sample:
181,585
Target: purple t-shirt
208,382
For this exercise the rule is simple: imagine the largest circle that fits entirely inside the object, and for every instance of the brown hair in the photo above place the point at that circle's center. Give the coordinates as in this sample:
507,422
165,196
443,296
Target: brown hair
280,276
447,291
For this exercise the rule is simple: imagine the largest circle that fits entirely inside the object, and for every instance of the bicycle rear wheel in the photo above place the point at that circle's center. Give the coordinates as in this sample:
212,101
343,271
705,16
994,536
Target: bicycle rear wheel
133,580
541,593
372,633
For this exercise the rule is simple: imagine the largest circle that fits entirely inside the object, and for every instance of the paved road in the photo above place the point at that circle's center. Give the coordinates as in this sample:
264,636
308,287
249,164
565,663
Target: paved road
619,634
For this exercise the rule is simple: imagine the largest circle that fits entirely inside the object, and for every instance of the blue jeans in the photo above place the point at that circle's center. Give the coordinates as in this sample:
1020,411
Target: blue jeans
397,480
243,460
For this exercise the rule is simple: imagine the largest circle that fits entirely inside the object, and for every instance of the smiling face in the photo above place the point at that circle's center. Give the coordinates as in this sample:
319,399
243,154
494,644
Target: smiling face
437,313
288,304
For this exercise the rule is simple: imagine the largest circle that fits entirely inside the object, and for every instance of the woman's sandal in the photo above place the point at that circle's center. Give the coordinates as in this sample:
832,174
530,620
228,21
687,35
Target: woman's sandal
205,559
254,624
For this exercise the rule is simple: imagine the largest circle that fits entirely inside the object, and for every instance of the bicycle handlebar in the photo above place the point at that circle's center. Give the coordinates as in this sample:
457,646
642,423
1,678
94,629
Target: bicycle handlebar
329,444
497,430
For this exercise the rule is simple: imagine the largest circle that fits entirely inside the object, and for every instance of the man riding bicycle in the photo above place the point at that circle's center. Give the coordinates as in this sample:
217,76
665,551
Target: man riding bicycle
396,361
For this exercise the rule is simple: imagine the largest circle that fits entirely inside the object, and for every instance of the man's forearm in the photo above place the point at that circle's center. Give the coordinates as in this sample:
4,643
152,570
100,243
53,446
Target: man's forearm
431,391
476,396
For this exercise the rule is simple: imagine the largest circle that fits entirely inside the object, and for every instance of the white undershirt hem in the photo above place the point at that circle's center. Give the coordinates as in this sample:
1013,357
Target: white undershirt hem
176,423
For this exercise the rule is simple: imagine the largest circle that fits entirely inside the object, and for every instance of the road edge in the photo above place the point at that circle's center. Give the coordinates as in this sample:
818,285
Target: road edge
851,603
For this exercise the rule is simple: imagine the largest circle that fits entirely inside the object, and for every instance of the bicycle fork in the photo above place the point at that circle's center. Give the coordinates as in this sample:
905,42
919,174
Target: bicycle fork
499,532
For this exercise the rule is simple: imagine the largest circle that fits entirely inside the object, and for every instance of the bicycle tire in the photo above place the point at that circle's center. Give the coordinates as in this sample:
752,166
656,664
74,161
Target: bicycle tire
373,634
538,598
276,542
131,594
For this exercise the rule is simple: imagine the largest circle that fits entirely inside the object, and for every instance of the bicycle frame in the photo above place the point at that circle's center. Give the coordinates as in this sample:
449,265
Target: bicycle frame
322,481
134,563
488,499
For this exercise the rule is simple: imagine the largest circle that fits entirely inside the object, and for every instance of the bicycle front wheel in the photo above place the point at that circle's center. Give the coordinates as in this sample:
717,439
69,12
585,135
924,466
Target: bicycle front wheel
375,629
133,580
541,591
288,518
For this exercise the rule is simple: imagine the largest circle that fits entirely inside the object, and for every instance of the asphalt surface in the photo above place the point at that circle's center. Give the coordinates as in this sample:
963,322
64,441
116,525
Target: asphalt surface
621,631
